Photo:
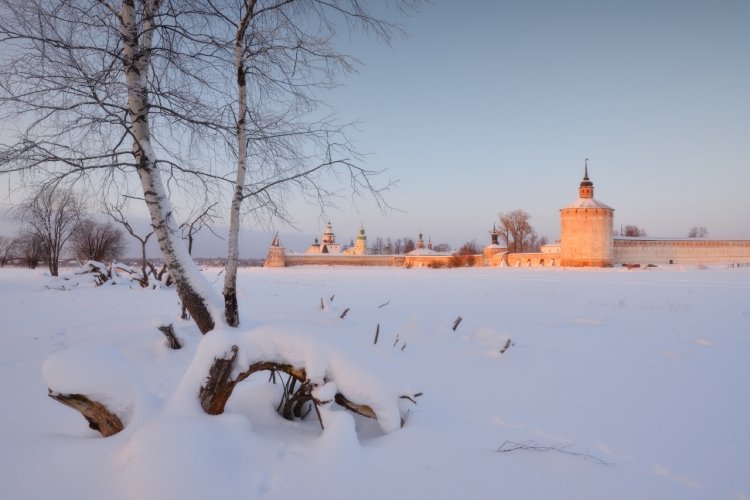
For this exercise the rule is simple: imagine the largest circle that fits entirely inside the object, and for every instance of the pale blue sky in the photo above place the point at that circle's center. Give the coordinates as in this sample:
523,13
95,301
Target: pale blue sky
493,106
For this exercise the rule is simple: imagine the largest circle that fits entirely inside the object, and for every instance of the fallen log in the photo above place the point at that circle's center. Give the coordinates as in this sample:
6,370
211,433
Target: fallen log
99,418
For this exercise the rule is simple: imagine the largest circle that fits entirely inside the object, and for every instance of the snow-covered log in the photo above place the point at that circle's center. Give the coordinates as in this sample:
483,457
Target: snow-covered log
98,417
363,383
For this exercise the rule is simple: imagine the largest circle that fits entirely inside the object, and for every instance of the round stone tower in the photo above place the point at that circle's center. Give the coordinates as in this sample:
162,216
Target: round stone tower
586,229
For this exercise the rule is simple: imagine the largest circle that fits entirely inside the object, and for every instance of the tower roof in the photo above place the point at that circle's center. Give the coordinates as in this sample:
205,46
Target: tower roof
276,241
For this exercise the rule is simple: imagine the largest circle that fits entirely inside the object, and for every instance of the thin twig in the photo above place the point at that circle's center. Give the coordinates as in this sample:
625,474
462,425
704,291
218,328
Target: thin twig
217,277
383,305
396,342
344,313
533,446
377,332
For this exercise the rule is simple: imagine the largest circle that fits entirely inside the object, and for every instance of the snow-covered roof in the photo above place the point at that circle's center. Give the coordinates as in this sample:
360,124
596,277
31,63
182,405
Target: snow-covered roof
555,244
496,246
588,203
426,251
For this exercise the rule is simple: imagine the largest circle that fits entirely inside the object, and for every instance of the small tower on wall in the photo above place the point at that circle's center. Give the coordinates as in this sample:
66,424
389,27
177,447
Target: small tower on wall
494,249
429,244
420,242
586,233
275,254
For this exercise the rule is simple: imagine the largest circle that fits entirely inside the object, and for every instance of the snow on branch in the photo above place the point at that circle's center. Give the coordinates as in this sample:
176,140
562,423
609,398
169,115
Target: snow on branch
356,380
93,274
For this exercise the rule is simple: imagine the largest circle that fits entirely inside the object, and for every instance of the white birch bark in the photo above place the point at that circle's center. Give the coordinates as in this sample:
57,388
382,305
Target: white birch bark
193,289
231,312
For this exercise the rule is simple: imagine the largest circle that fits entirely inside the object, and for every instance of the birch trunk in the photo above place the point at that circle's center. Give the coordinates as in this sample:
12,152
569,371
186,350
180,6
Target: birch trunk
231,311
193,289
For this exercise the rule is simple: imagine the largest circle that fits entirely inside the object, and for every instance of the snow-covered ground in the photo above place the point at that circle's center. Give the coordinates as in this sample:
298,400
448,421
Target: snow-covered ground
646,369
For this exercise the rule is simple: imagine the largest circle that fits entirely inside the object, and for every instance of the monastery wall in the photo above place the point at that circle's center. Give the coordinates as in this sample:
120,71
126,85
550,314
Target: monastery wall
322,259
692,251
532,259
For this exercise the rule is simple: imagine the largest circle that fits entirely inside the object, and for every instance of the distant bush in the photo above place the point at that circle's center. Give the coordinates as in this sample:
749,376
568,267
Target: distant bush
470,248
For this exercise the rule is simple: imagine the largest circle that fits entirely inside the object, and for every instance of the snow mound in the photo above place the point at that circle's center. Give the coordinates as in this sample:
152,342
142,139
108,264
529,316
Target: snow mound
331,366
100,373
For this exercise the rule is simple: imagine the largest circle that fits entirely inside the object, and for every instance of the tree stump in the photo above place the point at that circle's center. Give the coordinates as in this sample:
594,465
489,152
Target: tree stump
172,339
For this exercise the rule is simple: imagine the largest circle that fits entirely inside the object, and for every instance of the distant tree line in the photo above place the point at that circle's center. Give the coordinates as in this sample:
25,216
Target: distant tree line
55,225
634,231
400,246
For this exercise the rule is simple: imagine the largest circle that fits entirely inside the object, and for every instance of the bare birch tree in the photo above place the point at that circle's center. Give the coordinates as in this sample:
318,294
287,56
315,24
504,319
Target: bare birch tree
282,53
103,89
87,84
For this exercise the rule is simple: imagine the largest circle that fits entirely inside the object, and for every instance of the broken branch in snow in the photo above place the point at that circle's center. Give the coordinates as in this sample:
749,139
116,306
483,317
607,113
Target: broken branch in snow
321,304
533,446
396,342
332,296
507,345
99,418
458,321
383,305
363,410
168,332
377,332
344,313
403,346
217,389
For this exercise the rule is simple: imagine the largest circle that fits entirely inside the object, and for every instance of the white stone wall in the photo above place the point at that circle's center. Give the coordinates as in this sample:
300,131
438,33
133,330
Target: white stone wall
692,251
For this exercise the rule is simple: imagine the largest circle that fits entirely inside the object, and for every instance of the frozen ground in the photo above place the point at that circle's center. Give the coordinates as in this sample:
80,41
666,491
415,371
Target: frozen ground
645,369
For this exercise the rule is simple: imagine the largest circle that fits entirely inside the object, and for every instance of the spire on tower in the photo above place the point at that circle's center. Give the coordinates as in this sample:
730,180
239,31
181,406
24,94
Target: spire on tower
586,190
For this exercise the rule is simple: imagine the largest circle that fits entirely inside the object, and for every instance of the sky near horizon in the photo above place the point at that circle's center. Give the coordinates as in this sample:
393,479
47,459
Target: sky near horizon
494,107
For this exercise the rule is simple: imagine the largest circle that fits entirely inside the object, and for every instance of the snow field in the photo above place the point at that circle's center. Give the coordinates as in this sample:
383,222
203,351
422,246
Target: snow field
646,369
